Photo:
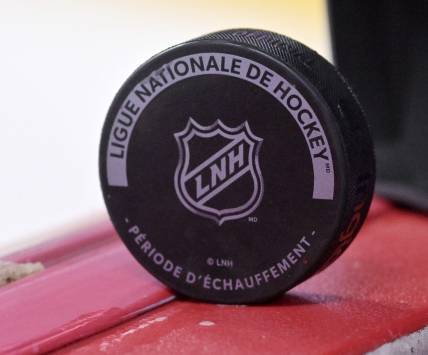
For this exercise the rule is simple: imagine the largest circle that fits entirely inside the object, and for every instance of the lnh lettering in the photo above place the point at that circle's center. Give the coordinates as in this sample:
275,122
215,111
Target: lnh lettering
220,171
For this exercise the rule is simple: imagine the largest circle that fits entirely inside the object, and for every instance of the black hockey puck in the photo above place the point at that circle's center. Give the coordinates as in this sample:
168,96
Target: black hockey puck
236,165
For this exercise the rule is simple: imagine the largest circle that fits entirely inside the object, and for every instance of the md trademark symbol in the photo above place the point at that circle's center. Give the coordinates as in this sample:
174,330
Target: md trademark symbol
252,219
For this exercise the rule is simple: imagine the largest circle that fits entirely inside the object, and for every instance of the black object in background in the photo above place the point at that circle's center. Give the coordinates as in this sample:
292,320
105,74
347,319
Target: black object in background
382,49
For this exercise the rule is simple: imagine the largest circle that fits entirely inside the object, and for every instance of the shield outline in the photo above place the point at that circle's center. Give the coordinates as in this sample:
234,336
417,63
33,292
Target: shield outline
218,127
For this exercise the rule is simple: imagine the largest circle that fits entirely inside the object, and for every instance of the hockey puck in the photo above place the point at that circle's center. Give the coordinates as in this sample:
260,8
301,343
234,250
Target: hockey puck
236,165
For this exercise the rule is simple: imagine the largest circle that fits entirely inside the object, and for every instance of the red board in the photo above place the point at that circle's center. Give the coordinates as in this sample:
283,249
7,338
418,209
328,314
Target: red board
90,284
375,293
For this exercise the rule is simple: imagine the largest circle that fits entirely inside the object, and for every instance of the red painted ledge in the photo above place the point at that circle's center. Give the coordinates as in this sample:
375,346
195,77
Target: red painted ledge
69,245
376,292
91,283
86,292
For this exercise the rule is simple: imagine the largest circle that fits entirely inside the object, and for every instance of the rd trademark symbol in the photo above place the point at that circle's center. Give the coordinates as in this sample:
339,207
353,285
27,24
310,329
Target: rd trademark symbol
253,219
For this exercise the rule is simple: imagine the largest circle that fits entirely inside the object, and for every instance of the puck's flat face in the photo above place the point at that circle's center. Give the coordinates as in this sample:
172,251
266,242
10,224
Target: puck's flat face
223,172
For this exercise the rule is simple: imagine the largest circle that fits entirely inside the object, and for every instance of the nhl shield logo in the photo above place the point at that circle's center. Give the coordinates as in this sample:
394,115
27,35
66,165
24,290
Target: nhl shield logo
218,174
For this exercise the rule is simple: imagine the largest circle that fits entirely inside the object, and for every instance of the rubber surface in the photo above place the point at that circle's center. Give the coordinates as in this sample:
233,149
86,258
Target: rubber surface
342,101
170,143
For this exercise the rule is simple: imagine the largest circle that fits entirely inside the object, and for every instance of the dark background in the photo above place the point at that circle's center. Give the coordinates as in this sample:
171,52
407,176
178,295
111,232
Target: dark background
381,47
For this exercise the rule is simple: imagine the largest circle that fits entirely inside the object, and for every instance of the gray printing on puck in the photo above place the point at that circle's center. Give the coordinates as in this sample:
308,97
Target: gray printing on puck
209,64
219,175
